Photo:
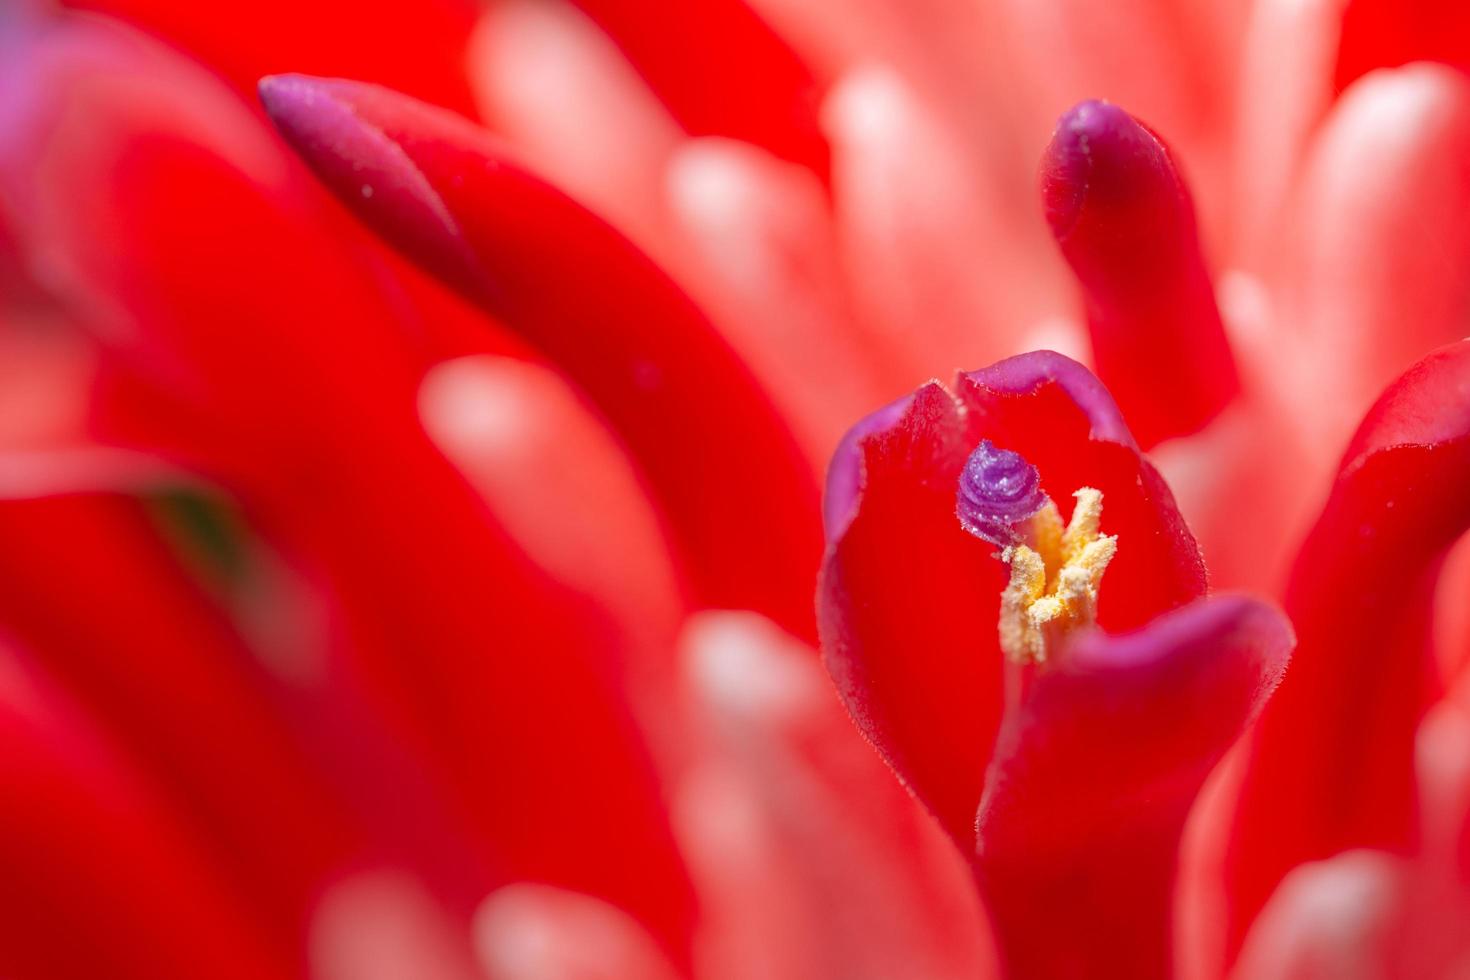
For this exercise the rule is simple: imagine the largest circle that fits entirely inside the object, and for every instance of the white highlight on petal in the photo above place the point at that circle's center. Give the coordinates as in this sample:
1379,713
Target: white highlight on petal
547,77
384,925
809,858
557,480
1064,334
539,932
1285,88
1442,763
948,268
749,667
1327,919
1380,247
765,264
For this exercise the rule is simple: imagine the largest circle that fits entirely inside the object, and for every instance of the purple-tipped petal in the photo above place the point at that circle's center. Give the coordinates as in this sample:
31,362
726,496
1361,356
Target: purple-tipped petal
357,160
1027,373
845,473
689,410
1079,827
1124,220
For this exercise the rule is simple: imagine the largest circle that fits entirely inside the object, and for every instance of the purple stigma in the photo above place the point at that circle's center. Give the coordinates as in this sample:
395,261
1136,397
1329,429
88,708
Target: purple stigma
998,490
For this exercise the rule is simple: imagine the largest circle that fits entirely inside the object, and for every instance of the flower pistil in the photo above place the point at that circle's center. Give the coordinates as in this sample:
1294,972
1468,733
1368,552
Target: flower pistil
1055,571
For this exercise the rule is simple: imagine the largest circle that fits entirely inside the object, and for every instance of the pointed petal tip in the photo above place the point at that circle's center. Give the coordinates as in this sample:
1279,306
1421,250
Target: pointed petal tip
338,128
284,95
269,84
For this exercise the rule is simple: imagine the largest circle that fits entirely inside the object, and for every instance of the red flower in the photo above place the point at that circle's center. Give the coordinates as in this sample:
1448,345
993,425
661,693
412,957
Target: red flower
1069,791
409,528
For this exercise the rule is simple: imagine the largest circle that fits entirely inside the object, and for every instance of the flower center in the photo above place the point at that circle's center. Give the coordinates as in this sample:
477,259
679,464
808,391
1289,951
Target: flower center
1055,571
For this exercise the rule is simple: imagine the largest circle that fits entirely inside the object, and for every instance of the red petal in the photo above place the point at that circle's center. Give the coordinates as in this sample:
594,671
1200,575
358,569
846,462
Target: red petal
689,409
531,931
225,282
1371,275
558,481
155,661
101,878
1079,829
908,601
721,70
812,861
1388,33
1332,764
415,47
1123,217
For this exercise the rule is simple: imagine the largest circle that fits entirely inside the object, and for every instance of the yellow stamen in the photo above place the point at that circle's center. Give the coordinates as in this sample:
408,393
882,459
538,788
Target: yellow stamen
1054,579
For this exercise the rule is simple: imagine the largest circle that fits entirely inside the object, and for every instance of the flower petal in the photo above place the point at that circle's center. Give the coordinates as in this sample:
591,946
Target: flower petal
908,604
1332,762
382,924
1385,34
721,70
1078,831
102,877
1332,918
789,810
557,480
946,267
1372,275
270,344
690,412
558,89
1123,217
1284,89
763,234
529,931
416,47
158,663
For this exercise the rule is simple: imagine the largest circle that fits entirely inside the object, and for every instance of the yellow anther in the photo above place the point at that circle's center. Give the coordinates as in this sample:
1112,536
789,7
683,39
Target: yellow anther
1027,586
1086,523
1055,578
